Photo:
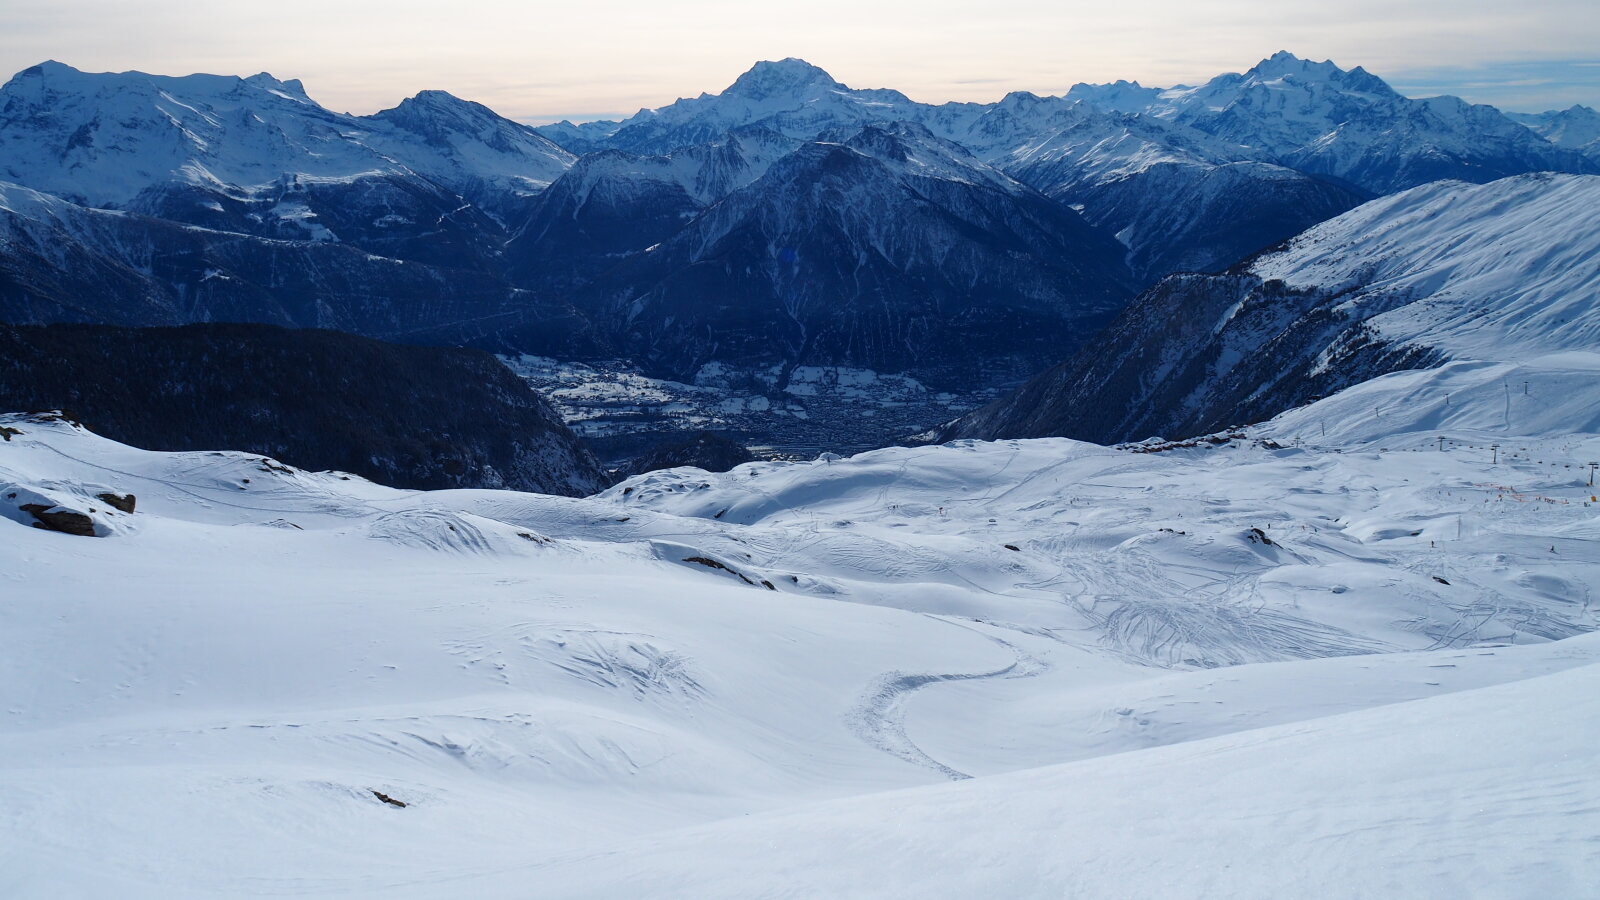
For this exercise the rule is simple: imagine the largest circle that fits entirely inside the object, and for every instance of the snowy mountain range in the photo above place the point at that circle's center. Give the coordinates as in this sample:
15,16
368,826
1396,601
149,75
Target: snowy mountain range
1320,119
1162,169
788,221
110,140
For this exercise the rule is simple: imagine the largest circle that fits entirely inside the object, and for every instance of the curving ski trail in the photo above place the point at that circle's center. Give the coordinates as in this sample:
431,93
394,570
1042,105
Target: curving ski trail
878,718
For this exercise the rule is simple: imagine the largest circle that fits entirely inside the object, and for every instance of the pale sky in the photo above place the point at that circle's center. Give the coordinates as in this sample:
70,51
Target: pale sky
540,61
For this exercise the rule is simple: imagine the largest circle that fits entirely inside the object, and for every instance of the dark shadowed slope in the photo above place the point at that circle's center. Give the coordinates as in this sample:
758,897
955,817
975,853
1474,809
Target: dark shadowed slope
418,417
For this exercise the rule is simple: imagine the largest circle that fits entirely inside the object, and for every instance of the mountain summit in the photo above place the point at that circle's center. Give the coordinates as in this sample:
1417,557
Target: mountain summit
768,79
1285,65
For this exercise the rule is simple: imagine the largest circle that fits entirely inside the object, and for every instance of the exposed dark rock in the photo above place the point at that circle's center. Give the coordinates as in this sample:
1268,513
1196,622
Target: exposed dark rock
123,502
713,564
55,518
390,800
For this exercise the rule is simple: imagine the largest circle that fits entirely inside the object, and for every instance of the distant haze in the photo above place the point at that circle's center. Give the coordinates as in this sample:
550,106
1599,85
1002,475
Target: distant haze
539,61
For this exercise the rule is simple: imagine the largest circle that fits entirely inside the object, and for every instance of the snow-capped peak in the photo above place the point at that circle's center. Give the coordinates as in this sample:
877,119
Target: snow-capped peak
265,81
767,79
1285,65
1576,128
431,110
1118,96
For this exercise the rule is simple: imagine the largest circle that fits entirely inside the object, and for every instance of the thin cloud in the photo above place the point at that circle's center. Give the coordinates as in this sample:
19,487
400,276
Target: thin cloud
527,60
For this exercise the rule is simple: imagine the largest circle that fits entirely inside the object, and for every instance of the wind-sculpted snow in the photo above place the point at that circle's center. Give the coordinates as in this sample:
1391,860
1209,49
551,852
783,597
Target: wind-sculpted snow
1501,808
307,683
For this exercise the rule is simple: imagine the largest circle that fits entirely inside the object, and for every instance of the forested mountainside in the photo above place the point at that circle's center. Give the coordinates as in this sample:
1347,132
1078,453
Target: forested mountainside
406,416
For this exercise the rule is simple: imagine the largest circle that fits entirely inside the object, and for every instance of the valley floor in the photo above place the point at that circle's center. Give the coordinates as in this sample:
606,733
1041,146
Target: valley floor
1033,668
812,409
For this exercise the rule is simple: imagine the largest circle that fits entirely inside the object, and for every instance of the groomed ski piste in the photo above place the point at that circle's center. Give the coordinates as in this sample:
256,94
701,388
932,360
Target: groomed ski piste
1344,653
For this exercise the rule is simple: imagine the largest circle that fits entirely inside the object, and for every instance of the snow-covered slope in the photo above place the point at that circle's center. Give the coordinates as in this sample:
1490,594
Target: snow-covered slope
1543,395
1369,804
1499,271
208,700
1502,272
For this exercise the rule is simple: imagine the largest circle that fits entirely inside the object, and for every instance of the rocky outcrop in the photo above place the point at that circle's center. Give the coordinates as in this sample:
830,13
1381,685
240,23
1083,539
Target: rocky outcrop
60,518
122,502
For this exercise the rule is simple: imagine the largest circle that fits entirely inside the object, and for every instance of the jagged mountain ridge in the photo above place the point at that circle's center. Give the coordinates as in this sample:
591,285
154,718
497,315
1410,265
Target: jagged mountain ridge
1286,110
1179,204
1305,141
1348,124
599,216
1108,165
1448,271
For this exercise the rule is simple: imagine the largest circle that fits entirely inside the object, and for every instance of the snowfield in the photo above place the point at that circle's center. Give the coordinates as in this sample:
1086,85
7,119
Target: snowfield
1332,656
1504,270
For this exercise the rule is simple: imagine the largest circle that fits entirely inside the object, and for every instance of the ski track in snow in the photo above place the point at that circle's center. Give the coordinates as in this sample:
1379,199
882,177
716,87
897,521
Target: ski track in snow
879,717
